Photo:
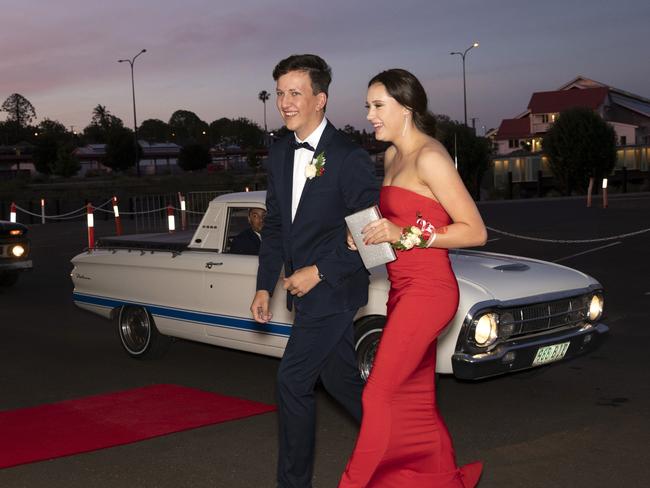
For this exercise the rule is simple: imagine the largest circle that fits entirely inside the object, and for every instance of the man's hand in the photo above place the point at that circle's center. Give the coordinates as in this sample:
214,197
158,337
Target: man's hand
350,241
260,307
302,281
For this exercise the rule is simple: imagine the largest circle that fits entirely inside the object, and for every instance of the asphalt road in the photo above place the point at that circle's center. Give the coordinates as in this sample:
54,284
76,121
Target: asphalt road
582,423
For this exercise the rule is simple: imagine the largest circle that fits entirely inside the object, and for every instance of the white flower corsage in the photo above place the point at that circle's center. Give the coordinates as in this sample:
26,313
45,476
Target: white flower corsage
414,236
316,167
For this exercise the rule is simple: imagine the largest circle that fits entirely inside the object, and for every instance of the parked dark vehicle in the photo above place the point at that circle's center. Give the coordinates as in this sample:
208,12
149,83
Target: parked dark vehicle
14,252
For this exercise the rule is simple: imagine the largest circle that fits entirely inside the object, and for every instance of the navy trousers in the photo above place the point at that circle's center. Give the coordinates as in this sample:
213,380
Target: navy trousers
319,347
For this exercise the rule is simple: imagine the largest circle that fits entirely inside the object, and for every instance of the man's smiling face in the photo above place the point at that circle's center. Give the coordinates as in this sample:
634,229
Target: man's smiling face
300,109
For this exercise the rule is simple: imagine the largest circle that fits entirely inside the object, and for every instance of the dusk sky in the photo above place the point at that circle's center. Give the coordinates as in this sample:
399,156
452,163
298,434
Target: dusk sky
213,57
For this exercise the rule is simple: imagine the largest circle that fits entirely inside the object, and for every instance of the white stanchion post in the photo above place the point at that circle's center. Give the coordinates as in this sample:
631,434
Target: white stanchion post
12,212
589,191
118,220
170,218
91,226
604,192
42,210
181,199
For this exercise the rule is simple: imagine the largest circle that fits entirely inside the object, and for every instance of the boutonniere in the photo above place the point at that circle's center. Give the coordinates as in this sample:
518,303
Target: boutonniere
316,167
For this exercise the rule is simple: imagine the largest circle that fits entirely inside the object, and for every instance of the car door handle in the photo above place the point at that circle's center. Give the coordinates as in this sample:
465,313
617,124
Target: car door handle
209,264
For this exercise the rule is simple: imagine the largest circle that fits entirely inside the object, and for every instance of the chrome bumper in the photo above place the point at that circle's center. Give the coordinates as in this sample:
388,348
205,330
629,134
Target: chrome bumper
475,366
15,265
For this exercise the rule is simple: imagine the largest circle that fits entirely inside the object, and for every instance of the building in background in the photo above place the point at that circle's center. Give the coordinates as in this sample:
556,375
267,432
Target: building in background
518,141
157,158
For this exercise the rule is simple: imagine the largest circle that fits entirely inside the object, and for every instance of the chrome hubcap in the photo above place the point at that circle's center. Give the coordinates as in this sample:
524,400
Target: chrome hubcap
135,329
366,350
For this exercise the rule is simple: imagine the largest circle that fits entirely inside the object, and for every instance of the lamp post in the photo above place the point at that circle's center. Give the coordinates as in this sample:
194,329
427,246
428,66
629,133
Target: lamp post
135,121
462,55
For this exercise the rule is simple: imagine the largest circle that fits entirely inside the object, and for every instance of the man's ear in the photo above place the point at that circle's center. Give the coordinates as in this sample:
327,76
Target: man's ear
322,101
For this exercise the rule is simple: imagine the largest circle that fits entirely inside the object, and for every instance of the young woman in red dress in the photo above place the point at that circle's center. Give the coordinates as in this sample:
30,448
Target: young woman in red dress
403,441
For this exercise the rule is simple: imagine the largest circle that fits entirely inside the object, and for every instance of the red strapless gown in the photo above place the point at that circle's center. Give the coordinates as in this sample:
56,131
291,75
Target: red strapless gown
403,442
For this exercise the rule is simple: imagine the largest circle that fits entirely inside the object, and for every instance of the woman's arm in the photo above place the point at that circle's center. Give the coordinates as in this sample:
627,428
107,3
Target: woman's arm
436,170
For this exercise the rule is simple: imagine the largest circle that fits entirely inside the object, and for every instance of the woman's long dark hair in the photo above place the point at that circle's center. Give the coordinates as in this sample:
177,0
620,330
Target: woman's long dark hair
404,87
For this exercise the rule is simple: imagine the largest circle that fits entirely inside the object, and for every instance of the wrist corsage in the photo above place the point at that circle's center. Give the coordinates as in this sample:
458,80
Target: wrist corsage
421,235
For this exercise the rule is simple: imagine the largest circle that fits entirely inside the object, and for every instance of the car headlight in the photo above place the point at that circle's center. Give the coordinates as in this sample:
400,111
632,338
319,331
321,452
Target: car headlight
17,251
596,307
506,325
485,329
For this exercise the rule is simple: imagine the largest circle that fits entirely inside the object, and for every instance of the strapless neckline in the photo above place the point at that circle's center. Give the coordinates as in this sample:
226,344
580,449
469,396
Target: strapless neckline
436,202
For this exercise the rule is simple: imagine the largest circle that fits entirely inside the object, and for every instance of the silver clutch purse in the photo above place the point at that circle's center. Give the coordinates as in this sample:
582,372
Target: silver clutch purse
373,254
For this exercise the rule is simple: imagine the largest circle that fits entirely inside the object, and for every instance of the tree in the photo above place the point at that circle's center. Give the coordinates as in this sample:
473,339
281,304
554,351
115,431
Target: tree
193,157
66,164
101,116
19,110
264,96
253,160
120,151
101,124
154,130
473,152
580,145
52,127
352,133
52,134
241,132
45,154
187,127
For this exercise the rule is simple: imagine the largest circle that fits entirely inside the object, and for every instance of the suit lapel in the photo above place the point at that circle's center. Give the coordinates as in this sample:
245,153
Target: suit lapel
322,144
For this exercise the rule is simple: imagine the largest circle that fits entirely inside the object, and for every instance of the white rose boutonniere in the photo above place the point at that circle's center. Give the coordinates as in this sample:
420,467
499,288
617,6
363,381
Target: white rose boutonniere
316,167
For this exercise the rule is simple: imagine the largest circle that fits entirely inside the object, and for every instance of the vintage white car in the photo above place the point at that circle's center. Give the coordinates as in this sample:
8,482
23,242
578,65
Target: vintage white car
14,252
514,313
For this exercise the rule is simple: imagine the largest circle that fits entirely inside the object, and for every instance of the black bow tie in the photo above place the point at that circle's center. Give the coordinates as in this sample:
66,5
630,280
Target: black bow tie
300,145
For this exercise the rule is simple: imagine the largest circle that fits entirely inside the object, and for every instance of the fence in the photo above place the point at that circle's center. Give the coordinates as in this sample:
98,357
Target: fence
148,212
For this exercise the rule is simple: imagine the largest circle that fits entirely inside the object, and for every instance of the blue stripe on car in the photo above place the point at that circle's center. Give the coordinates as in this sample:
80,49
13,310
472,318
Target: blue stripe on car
213,320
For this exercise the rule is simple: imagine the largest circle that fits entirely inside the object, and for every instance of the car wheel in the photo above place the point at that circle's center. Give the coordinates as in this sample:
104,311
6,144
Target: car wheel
8,278
367,333
138,333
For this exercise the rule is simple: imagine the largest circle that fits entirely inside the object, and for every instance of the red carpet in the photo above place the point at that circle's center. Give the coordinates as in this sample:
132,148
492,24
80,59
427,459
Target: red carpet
96,422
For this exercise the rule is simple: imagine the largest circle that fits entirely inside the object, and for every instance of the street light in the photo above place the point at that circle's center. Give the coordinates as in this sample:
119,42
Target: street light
135,122
462,55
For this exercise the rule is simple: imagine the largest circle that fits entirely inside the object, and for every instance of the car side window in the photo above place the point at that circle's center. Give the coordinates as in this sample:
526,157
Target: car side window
243,226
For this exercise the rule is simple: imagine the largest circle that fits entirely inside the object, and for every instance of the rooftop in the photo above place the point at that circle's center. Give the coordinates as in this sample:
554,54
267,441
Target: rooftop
560,100
514,129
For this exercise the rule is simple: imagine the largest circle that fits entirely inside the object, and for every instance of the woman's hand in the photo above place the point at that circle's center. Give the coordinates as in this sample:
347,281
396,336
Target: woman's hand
382,230
351,245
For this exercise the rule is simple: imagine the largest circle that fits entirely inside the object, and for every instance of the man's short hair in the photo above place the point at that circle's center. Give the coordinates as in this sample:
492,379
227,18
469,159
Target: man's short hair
319,72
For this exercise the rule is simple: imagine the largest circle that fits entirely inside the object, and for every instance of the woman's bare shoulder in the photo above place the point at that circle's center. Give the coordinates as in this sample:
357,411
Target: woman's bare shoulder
432,155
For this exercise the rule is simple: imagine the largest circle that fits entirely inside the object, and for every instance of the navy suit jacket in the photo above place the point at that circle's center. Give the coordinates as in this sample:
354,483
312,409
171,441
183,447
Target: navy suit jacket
246,242
318,233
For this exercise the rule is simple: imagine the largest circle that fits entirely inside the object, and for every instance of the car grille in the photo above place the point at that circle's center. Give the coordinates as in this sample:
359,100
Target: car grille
541,317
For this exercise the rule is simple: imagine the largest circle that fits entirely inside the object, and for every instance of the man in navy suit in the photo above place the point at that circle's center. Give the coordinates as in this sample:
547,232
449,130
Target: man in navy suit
316,177
248,240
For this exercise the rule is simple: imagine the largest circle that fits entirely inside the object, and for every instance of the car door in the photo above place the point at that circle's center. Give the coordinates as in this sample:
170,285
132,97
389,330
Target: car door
230,284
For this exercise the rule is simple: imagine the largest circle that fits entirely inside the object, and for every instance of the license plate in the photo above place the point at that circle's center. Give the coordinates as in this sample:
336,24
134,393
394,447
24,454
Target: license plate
549,354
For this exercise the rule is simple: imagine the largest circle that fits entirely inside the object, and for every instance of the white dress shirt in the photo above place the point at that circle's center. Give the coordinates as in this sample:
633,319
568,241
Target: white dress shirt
301,158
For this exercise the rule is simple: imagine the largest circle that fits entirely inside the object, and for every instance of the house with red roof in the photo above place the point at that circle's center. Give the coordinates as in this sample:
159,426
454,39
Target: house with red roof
518,141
